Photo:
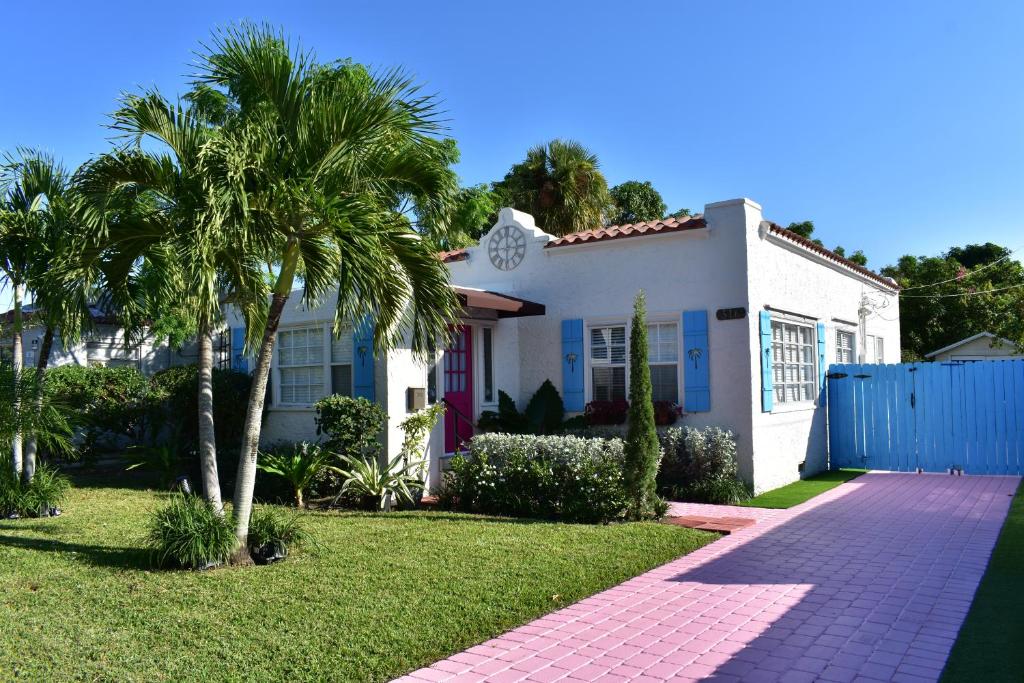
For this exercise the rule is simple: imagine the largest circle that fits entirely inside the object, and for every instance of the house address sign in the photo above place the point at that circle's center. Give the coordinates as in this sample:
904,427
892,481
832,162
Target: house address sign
731,313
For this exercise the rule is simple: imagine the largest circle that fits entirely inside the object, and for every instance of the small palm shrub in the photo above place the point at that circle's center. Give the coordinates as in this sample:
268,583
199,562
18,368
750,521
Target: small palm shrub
272,533
299,464
188,533
557,477
46,492
40,497
380,486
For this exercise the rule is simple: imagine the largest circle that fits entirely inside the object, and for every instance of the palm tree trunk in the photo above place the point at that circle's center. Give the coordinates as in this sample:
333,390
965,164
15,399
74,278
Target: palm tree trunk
207,435
17,364
245,481
31,444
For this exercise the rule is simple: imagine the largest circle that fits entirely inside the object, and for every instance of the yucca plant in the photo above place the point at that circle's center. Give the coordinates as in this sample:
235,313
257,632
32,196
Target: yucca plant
189,533
368,480
272,532
299,464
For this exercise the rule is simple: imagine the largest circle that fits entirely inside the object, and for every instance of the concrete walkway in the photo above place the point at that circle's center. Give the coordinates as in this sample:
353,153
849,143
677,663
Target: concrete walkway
869,582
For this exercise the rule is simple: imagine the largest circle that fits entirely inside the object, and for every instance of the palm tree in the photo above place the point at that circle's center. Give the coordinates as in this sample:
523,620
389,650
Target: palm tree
561,185
324,154
22,201
168,208
56,305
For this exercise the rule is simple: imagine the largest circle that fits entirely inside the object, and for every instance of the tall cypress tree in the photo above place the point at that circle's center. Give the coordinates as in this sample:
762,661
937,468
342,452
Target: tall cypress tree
642,450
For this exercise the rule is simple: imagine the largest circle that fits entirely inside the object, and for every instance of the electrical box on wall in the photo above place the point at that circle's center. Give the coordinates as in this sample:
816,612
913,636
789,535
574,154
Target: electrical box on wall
415,399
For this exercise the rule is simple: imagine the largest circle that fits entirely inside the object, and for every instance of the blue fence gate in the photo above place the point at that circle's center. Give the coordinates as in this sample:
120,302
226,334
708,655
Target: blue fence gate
931,416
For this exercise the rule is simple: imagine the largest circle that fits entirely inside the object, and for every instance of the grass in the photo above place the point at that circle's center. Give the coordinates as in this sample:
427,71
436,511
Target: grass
379,595
800,491
989,645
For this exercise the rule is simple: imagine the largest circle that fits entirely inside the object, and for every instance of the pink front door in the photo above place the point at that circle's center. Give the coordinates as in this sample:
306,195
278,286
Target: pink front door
458,389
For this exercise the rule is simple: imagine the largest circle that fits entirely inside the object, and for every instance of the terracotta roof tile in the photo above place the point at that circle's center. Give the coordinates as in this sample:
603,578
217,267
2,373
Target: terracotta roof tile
453,255
831,255
613,232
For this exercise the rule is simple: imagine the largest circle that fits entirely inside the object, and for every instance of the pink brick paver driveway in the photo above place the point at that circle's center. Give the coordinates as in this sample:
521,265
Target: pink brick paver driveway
869,581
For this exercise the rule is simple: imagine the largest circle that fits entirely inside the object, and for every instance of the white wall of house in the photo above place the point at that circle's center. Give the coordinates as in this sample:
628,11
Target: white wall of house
806,288
733,262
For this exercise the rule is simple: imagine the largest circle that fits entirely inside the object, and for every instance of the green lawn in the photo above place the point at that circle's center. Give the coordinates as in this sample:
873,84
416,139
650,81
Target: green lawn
803,490
989,647
382,594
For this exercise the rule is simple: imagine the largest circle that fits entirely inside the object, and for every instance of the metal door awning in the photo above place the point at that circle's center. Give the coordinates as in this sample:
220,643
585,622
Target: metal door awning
504,305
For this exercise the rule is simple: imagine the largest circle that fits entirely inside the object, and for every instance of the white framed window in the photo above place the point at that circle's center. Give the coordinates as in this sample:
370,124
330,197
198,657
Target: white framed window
608,363
845,346
341,362
300,365
794,367
874,349
663,357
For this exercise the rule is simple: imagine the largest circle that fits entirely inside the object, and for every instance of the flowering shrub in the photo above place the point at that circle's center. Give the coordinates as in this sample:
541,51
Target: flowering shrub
606,412
665,413
699,465
558,477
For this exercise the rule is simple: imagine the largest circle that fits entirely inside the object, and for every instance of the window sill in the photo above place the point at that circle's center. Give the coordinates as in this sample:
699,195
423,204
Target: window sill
802,406
290,408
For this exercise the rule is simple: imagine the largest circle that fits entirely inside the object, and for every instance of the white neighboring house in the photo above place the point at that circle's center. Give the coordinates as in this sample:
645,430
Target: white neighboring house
744,317
104,345
981,346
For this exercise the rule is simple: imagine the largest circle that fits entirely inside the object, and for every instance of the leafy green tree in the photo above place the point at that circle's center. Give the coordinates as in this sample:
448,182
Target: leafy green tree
642,450
474,210
324,154
636,202
945,300
857,257
679,213
805,229
561,185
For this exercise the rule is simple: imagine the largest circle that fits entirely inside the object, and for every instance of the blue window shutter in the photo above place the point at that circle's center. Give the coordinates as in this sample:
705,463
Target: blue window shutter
821,364
767,392
573,366
239,361
362,360
697,359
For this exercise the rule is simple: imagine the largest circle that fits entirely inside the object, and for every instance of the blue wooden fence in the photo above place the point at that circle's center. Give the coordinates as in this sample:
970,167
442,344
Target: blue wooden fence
931,416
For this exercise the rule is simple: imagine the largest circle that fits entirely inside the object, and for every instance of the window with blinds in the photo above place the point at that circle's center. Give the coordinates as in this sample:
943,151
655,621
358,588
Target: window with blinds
300,362
663,357
608,363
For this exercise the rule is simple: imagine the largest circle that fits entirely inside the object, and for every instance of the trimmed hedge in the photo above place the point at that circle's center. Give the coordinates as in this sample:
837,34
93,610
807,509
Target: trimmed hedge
699,466
557,477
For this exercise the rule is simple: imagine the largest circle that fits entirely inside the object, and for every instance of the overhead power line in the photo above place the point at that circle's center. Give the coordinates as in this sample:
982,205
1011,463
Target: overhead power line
965,275
947,296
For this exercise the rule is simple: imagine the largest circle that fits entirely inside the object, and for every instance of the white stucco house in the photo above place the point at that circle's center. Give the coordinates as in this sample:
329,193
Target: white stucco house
981,346
105,345
744,318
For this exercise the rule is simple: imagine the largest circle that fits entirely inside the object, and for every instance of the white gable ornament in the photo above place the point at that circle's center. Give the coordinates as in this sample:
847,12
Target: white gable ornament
506,247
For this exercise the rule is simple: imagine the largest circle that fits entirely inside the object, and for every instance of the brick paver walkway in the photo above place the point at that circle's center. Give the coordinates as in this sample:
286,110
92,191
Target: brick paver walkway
869,581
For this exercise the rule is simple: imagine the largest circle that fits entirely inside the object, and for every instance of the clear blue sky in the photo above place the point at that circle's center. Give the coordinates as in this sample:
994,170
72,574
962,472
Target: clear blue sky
896,126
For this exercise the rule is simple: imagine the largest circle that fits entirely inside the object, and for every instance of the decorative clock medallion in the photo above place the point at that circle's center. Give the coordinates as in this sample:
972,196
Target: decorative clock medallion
507,247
